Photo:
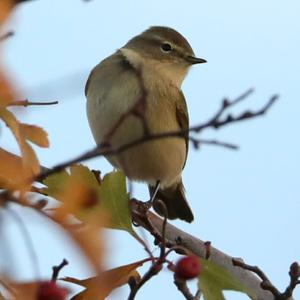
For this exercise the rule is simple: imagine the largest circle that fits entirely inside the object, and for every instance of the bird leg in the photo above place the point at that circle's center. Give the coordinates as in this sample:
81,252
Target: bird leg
153,195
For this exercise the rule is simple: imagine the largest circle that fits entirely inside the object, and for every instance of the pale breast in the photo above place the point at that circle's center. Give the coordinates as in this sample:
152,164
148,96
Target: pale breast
109,97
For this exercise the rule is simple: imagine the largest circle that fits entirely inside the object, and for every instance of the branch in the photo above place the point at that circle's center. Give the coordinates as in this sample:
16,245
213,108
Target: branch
57,269
215,122
26,103
199,248
6,35
21,1
183,288
266,284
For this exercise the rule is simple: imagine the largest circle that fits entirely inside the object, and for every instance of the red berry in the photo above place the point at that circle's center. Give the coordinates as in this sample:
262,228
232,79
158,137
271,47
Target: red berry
49,290
188,267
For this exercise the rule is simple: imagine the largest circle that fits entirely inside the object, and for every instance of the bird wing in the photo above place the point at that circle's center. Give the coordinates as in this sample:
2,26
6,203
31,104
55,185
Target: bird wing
183,119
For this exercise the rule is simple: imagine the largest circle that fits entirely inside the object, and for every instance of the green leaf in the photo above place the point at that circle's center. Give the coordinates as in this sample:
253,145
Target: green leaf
85,175
214,279
111,194
115,200
55,183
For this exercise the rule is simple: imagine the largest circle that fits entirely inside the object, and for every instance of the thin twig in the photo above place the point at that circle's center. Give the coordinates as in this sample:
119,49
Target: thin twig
266,284
156,264
183,288
154,270
106,149
294,279
6,35
197,142
57,269
26,103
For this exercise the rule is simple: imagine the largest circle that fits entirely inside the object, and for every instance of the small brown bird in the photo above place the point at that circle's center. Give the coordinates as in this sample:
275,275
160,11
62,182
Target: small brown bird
162,57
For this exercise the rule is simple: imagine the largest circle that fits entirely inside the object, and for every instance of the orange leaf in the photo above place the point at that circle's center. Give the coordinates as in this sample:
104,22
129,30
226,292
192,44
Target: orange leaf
35,134
30,161
5,9
6,90
33,290
11,175
101,286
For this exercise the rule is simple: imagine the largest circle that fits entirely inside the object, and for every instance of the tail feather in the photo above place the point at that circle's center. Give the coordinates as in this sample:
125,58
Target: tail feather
175,202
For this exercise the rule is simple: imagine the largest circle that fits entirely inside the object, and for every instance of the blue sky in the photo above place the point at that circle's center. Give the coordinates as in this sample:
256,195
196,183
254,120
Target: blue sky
245,202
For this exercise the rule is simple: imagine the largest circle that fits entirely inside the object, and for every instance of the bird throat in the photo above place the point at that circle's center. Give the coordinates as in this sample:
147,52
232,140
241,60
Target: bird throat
156,73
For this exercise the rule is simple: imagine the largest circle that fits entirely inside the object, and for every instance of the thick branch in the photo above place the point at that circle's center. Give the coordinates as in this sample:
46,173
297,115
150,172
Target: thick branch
199,247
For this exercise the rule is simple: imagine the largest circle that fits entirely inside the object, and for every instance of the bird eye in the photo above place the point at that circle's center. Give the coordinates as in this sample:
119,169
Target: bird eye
166,47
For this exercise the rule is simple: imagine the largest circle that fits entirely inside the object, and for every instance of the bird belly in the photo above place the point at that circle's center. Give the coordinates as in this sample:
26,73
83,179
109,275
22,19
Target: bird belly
150,161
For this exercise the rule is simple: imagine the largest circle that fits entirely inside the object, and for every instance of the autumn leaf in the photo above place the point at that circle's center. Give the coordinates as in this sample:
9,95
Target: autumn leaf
10,171
96,203
99,287
108,198
77,190
30,161
33,290
5,9
35,134
214,279
6,90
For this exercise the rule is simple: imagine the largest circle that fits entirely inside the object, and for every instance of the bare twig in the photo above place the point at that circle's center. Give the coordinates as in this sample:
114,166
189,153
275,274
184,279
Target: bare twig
197,142
6,35
198,247
156,264
154,270
21,1
215,122
57,269
266,284
26,103
294,274
183,288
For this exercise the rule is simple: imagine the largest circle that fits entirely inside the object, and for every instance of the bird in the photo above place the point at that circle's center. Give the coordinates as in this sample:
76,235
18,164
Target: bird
154,62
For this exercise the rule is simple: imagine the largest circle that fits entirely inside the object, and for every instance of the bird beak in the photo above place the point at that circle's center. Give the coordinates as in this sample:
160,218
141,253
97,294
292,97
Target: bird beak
195,60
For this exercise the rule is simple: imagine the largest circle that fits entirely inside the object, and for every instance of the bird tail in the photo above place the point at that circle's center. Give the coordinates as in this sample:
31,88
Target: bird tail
174,199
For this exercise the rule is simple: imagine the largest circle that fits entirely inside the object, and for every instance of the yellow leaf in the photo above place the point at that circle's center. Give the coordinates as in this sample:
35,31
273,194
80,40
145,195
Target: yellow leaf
35,134
99,287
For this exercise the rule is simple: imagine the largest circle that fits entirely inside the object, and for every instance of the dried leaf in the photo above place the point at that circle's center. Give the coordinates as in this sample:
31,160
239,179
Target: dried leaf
109,198
30,162
77,191
90,241
35,134
92,202
6,90
214,279
11,176
101,286
24,290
